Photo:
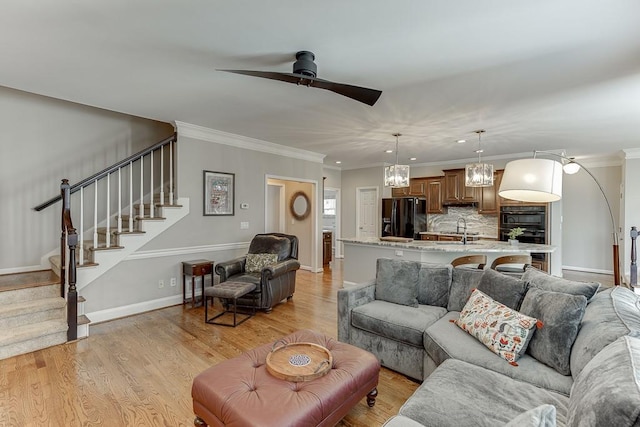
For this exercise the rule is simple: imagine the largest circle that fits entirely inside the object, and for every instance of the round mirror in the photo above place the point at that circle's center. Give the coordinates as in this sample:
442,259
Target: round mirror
300,205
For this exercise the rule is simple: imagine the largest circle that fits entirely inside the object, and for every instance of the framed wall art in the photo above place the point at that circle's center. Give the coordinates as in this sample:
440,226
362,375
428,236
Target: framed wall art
219,193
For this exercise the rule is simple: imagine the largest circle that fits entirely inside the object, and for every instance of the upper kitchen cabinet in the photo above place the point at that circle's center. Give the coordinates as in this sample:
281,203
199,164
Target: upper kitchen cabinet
416,188
400,192
434,195
488,203
454,189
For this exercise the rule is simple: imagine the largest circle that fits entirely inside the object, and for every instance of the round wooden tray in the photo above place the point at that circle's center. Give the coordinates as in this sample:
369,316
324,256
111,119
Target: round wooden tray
299,362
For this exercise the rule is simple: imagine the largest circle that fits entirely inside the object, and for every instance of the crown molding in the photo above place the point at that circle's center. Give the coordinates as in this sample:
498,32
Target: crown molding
631,153
219,137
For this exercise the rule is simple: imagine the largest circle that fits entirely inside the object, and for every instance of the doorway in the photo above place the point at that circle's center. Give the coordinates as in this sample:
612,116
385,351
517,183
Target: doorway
331,218
367,212
275,214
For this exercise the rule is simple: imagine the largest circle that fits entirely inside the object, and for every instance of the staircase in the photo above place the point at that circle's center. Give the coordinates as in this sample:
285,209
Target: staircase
33,314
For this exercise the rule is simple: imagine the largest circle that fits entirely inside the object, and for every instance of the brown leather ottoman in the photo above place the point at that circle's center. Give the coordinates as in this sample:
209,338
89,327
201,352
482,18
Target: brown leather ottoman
241,392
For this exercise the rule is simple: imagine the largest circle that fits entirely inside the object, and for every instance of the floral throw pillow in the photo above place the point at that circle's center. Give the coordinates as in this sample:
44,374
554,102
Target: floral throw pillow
256,262
504,331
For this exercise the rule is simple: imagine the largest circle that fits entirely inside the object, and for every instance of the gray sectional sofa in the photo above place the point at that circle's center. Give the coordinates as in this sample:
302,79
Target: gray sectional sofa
581,366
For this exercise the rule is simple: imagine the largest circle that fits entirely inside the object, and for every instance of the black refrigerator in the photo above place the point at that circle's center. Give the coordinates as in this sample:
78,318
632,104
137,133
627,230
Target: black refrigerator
404,217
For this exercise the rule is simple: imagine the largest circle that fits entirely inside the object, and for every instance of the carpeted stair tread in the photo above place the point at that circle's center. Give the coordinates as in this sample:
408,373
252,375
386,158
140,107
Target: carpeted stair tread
30,332
31,306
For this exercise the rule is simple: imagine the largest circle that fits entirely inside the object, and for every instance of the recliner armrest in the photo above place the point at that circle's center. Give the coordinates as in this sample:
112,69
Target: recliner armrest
271,271
230,268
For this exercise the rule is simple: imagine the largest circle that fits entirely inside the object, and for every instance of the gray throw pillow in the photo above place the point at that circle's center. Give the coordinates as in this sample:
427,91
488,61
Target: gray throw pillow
547,282
607,391
561,315
541,416
433,284
397,281
463,281
506,289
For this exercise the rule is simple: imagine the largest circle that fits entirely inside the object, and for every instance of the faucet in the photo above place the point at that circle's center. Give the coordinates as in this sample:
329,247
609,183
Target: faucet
464,236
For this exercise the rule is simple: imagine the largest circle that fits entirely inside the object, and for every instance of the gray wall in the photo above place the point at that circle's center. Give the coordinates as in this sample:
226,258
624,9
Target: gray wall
44,140
217,238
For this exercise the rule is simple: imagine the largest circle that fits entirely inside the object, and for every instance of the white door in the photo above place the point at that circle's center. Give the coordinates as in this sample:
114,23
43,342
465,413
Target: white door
367,212
274,221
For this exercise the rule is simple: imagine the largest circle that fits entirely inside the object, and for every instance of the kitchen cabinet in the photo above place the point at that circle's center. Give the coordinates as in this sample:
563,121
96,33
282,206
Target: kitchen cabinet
431,237
326,247
488,203
400,192
434,195
416,188
454,189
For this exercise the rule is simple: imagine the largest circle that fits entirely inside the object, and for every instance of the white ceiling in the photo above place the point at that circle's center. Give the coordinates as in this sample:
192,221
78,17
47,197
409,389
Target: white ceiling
543,74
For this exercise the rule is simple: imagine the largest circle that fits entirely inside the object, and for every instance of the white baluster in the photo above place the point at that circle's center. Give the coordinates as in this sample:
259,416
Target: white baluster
119,201
162,175
95,214
107,241
131,196
81,231
171,173
141,204
151,201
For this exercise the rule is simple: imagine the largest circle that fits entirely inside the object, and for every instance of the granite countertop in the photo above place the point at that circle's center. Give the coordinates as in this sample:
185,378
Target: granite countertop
475,246
474,234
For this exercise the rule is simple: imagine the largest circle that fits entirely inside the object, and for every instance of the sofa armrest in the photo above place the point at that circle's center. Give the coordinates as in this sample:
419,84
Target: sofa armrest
229,268
271,271
348,299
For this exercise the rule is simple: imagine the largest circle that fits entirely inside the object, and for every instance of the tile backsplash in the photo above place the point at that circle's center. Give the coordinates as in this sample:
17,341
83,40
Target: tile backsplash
486,225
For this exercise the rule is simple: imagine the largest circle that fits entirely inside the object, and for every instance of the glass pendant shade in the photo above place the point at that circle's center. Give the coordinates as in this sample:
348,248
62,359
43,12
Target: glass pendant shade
478,175
532,180
571,168
396,176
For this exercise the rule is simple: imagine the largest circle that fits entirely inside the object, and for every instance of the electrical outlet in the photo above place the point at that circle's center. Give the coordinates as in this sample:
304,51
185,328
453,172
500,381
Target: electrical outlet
161,284
173,281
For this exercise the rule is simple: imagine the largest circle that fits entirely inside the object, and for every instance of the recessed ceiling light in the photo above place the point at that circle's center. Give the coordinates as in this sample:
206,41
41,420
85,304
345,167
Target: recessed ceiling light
338,162
461,141
388,151
413,158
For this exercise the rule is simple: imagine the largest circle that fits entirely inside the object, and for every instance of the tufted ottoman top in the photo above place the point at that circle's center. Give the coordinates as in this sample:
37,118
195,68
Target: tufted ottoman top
241,392
230,289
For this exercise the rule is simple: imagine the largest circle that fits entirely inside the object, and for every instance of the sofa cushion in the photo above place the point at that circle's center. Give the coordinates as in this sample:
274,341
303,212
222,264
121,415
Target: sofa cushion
443,340
256,262
394,321
501,329
547,282
401,421
434,283
397,281
462,394
541,416
463,281
611,314
561,315
607,391
506,289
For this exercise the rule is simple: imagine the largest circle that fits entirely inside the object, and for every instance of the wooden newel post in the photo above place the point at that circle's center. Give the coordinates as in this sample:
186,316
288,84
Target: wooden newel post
72,294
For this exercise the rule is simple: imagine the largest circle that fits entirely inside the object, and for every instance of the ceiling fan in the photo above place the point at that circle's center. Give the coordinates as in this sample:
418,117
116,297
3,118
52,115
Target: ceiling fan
304,73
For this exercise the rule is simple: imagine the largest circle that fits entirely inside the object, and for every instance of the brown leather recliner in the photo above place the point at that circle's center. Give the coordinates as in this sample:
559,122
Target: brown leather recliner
275,283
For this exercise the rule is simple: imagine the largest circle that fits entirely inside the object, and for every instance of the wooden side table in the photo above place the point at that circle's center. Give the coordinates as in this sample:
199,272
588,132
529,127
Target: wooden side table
195,268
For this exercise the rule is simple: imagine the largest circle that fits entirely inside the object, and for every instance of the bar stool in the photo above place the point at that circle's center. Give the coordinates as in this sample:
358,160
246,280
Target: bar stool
512,265
466,261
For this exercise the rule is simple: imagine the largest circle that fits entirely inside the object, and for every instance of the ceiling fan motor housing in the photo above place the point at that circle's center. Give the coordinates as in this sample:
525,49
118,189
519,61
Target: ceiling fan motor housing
304,64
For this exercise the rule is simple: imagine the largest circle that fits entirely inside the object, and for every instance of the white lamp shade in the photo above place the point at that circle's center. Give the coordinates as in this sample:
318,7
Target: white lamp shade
396,176
478,175
532,180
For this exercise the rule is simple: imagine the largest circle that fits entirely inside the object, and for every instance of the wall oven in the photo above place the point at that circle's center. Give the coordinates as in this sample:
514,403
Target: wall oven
534,221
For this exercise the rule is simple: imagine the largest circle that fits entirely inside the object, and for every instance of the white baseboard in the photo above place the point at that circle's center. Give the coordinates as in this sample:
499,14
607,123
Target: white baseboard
129,310
587,270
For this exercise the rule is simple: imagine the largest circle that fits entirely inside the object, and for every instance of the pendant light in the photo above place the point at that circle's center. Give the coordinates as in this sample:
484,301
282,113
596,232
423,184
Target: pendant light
478,174
396,176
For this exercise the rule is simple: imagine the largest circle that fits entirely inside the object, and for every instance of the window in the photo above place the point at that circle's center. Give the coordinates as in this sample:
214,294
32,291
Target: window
330,207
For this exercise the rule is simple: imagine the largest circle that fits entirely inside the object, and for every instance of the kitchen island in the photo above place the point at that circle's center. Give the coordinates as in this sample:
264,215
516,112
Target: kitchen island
360,255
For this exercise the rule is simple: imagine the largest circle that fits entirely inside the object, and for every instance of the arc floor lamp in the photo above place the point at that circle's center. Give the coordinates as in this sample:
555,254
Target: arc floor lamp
540,180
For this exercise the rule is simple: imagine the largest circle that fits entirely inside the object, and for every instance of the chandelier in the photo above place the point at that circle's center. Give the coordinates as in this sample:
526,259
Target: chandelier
478,174
396,176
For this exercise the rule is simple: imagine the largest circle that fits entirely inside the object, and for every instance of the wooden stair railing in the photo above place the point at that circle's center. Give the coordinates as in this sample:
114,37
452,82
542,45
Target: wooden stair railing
69,238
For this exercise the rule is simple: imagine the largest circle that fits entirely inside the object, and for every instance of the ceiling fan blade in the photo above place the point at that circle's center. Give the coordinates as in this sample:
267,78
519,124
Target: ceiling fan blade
361,94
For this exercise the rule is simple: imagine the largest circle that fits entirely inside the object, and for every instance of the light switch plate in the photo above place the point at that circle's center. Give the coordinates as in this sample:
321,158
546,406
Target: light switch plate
244,225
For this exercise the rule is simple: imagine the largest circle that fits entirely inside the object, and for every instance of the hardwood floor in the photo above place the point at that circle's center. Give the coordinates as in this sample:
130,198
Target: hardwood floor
138,371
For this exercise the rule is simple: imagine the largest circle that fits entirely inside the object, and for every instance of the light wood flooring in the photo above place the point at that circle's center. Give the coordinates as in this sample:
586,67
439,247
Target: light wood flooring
138,371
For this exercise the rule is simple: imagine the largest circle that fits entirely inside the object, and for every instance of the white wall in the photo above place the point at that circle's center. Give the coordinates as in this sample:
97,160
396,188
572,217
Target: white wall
630,206
42,141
